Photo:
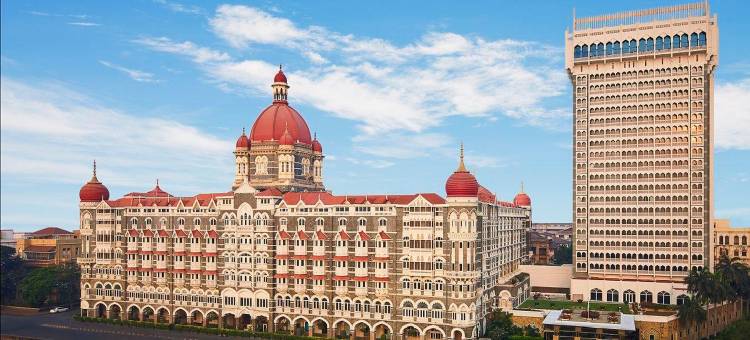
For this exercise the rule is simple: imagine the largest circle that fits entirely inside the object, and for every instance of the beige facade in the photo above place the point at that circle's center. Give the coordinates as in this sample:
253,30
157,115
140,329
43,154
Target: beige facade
643,122
731,241
275,255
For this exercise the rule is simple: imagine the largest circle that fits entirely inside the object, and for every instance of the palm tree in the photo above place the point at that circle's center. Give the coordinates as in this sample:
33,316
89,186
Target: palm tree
735,276
702,285
691,312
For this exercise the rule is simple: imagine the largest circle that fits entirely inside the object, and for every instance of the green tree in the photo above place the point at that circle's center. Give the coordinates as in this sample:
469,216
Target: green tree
36,287
691,312
701,284
13,269
735,276
563,255
500,326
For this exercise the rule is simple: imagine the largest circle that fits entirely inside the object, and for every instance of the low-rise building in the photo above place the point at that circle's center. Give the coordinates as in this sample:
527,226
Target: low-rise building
731,241
49,246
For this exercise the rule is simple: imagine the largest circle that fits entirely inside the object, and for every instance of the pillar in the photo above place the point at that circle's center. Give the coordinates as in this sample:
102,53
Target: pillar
205,321
107,313
236,322
372,335
221,322
190,319
310,330
140,315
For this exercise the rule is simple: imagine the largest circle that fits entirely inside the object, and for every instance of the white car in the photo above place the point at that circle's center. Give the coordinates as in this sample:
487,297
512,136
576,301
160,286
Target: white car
58,310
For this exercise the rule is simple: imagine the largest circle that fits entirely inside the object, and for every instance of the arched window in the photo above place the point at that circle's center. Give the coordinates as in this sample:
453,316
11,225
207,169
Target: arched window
642,45
628,296
702,39
684,43
663,298
577,52
667,43
646,296
649,44
682,299
625,47
659,43
609,48
613,295
584,51
694,40
596,294
616,48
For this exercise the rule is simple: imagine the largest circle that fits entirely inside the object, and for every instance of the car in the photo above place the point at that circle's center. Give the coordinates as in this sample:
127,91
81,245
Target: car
58,310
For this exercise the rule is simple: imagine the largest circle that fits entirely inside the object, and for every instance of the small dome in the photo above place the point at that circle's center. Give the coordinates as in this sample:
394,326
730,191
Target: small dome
93,191
280,77
286,138
522,199
316,145
243,142
461,183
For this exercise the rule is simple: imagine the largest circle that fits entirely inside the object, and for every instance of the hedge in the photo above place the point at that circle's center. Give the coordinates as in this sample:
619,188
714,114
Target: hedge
195,329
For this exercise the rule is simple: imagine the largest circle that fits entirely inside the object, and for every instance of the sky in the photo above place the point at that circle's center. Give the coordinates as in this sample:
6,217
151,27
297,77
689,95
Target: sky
162,89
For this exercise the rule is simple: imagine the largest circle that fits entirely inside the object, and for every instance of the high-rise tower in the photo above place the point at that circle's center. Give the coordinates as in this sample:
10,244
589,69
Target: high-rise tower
643,121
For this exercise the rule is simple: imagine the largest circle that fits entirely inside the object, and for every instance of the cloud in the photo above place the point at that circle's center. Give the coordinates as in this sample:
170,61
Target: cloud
732,115
51,134
197,53
84,23
383,87
373,163
180,8
136,75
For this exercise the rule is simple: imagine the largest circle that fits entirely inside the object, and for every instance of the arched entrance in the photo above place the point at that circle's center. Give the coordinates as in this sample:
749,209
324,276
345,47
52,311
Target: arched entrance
362,331
245,322
196,318
101,311
133,313
410,333
212,320
283,325
148,314
301,327
180,317
320,328
229,321
457,335
162,316
114,312
342,330
434,333
382,332
261,324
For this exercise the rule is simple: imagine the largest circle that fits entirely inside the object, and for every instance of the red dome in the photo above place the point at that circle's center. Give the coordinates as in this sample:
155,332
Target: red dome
522,199
243,142
286,138
461,184
93,191
316,146
280,77
272,122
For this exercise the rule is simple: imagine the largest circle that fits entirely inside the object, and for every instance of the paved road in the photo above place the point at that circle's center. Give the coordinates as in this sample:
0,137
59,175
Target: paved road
62,326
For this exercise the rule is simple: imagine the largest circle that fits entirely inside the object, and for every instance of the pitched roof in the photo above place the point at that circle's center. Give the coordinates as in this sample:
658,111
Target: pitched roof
312,198
51,231
39,249
270,192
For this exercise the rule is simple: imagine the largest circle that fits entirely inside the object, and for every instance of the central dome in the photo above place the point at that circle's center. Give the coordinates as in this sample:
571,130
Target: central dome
276,119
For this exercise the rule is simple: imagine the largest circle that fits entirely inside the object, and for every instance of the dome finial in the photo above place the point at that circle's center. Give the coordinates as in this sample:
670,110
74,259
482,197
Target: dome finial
461,166
243,130
521,186
157,182
95,168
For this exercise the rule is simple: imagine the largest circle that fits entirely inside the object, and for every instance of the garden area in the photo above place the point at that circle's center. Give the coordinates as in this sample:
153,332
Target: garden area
27,286
577,305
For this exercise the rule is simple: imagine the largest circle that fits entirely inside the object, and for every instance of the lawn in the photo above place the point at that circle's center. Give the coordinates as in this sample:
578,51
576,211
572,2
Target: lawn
563,304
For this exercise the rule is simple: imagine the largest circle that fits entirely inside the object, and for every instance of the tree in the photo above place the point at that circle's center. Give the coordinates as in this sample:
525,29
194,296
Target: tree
500,326
36,287
735,276
563,255
691,312
13,271
701,284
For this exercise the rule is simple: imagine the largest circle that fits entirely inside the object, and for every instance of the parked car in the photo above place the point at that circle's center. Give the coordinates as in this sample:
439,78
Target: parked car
58,310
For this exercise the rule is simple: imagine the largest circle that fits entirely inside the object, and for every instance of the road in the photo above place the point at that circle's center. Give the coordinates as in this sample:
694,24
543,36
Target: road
62,326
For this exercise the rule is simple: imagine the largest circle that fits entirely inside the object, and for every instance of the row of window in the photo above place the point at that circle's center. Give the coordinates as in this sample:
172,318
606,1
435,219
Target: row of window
642,45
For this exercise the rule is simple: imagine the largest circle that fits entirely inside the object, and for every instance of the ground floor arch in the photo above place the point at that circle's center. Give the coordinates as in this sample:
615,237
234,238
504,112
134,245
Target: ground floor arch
162,315
362,330
115,312
261,323
180,317
134,313
410,332
197,318
283,324
148,314
342,329
301,326
212,319
320,328
101,310
383,331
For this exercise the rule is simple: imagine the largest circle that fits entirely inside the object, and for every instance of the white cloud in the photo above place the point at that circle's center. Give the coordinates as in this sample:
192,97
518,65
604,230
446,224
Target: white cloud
373,163
51,134
180,8
84,23
732,115
136,75
197,53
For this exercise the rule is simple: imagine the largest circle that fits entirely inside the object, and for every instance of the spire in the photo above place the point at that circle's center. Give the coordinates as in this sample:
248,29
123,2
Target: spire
94,168
243,130
157,182
461,166
93,175
521,186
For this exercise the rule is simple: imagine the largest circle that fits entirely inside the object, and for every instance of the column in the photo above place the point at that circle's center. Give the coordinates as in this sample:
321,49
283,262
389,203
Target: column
372,335
221,322
205,321
237,322
309,330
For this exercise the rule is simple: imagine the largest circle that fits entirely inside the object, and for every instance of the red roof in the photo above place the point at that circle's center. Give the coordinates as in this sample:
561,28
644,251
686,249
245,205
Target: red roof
213,234
197,233
461,184
133,233
242,141
284,235
180,233
485,195
360,278
320,235
384,235
148,233
93,191
270,192
343,235
135,199
311,198
316,145
522,199
276,119
286,138
163,233
363,236
302,235
51,231
280,77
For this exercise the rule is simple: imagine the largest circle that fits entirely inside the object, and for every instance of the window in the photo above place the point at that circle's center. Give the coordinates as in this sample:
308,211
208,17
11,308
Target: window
628,296
663,298
596,294
646,296
613,295
682,299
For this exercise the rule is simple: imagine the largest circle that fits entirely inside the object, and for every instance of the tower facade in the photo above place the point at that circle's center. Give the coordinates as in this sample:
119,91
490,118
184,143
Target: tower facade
643,120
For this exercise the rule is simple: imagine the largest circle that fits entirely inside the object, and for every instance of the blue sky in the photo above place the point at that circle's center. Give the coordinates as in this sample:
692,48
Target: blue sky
161,89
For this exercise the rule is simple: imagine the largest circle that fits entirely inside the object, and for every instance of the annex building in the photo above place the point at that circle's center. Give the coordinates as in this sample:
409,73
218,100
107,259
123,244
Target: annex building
279,253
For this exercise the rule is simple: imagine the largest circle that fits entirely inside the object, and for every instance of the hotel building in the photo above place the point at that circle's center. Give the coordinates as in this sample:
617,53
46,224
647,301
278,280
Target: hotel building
643,121
731,241
280,253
